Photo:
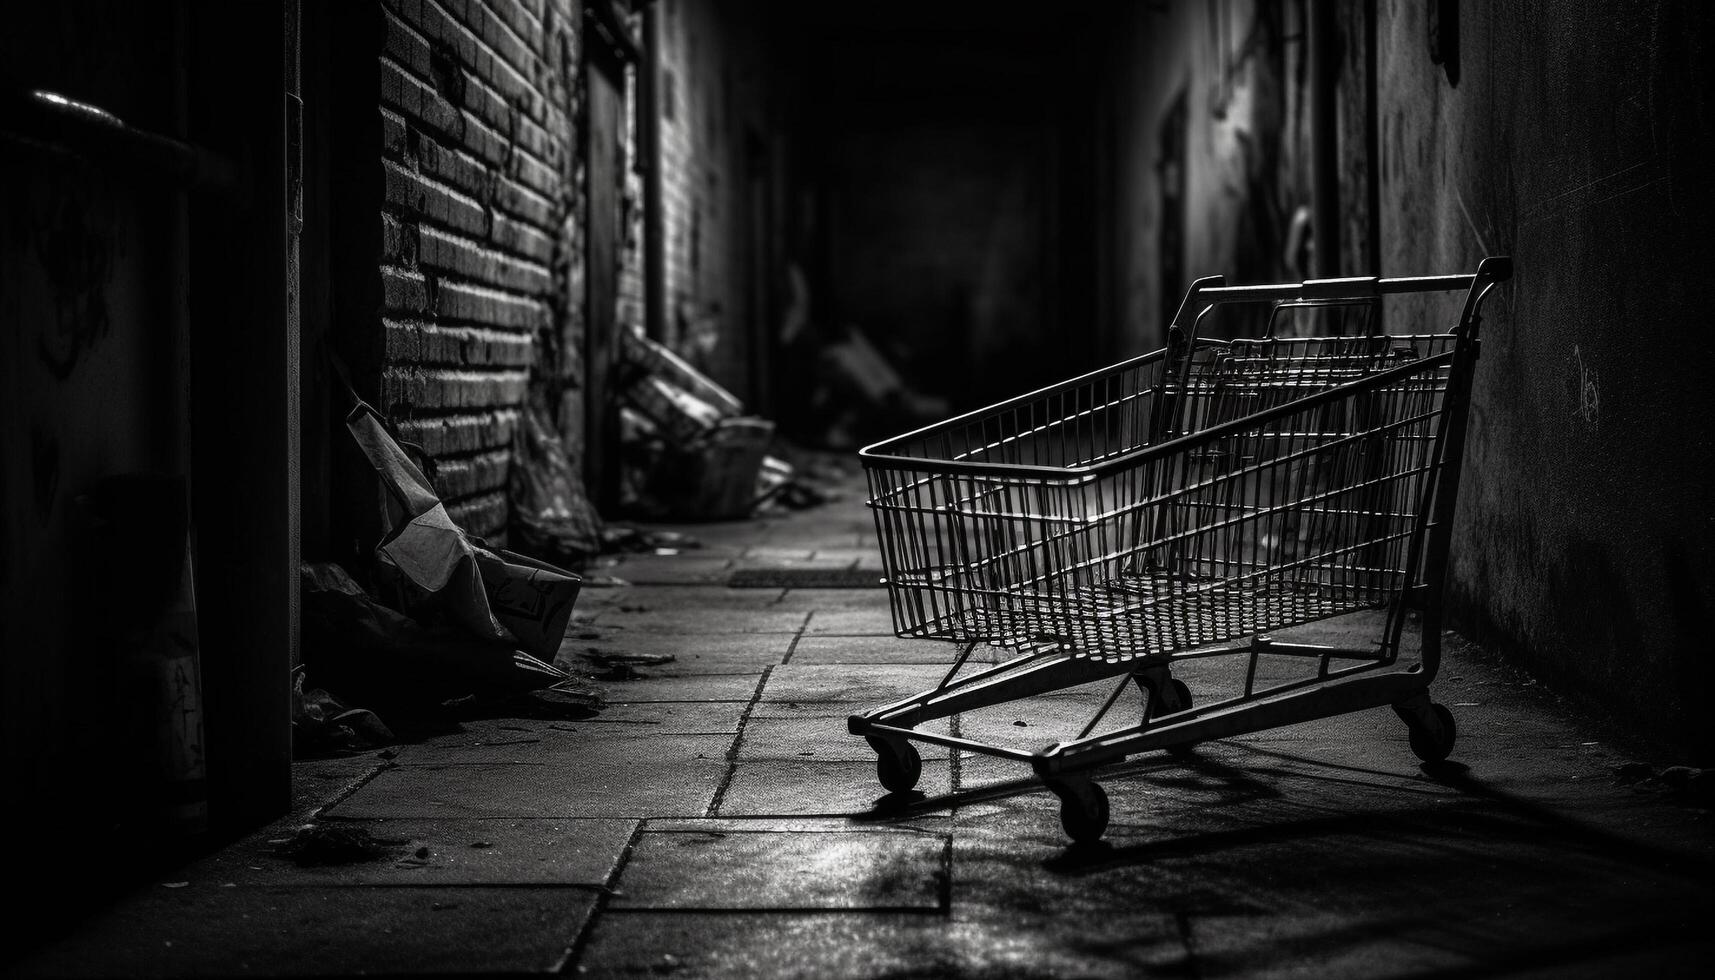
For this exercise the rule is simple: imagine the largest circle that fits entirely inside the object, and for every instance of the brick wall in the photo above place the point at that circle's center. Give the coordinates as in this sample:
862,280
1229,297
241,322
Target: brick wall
478,222
693,177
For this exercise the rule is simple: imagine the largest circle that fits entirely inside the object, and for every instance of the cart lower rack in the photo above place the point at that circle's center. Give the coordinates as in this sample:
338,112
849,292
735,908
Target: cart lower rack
1182,505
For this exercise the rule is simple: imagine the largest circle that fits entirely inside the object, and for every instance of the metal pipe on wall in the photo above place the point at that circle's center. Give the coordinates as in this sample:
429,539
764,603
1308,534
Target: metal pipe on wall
649,150
1324,139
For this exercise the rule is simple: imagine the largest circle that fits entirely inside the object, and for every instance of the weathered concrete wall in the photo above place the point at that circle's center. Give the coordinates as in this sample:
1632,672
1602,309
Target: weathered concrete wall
93,380
1578,138
479,222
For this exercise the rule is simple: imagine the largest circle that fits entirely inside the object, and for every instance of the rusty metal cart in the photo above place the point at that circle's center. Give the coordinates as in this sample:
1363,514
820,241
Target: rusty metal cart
1117,525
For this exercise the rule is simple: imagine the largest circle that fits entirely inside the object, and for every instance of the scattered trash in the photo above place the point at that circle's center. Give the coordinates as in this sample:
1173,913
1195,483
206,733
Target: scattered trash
571,698
401,669
620,538
552,516
323,726
497,595
328,843
1632,773
634,659
688,450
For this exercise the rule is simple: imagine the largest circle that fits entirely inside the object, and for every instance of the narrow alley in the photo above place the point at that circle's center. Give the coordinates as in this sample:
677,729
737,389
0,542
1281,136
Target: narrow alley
783,488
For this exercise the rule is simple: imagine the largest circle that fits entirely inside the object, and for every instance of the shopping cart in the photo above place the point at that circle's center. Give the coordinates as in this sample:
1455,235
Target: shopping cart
1123,523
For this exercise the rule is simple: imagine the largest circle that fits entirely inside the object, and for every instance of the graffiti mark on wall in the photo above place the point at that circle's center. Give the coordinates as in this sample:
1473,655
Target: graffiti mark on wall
1589,395
71,232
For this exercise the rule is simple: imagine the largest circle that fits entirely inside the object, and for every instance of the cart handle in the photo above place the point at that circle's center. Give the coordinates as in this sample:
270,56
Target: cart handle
1212,291
1491,271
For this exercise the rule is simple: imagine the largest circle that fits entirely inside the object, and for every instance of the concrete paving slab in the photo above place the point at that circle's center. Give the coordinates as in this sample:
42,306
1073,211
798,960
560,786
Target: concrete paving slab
681,569
664,775
690,620
490,741
642,598
318,782
822,739
687,687
876,945
762,945
785,870
418,853
786,787
780,560
865,599
1330,945
852,622
705,653
564,743
209,930
827,650
936,823
855,557
770,552
647,719
871,684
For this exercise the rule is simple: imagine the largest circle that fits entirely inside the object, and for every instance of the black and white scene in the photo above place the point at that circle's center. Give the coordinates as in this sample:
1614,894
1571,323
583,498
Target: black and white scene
812,489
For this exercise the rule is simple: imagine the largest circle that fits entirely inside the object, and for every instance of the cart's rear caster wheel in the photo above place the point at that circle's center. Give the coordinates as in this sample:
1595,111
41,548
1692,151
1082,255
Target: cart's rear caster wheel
1175,697
1083,810
1434,745
897,764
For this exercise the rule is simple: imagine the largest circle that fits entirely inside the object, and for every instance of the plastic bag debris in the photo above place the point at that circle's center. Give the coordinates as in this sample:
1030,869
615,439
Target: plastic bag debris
552,516
496,595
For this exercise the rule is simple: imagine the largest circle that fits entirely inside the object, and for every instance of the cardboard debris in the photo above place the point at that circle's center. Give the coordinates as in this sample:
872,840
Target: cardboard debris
495,594
689,451
380,657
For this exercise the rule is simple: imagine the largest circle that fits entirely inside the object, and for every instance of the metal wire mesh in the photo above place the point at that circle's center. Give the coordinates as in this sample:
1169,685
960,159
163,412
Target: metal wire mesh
1154,507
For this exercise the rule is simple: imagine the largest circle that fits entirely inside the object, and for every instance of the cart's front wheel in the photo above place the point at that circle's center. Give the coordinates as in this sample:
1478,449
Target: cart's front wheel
897,764
1083,810
1434,743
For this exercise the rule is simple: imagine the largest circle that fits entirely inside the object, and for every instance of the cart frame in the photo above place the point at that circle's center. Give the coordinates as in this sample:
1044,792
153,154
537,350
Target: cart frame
996,580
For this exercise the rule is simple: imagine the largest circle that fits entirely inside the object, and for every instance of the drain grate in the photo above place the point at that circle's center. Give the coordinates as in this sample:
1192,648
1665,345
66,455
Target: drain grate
805,578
